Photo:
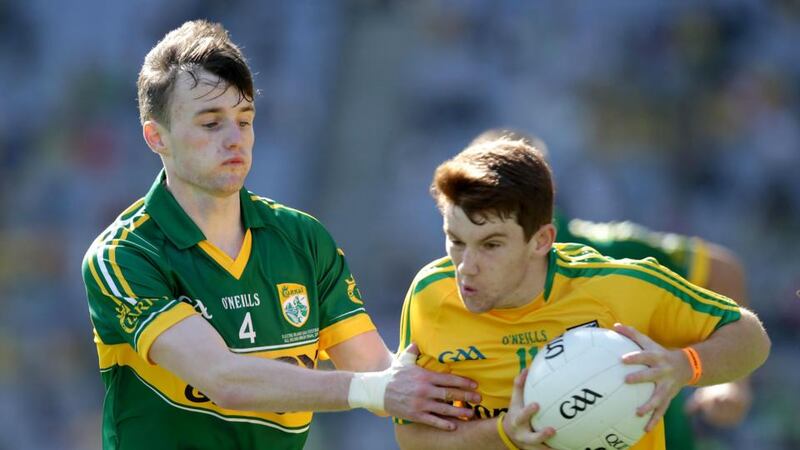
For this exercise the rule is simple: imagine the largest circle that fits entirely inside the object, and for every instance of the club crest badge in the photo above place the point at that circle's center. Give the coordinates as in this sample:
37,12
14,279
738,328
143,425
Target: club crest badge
294,303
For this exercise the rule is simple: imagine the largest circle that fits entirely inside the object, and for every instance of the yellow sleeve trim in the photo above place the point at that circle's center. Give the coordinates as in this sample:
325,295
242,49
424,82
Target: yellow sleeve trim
344,330
160,324
701,264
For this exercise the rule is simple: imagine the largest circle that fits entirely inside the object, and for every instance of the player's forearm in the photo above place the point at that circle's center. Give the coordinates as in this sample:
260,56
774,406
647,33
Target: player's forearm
196,353
474,434
733,351
256,384
363,353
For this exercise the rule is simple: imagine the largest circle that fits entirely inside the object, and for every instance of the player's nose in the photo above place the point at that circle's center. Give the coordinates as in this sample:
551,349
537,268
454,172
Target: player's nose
233,136
468,266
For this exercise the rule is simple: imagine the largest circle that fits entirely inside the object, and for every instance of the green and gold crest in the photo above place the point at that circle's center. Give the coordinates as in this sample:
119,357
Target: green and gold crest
294,303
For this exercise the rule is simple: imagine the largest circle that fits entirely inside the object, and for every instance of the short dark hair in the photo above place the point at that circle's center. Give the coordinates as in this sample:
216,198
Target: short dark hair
197,45
501,177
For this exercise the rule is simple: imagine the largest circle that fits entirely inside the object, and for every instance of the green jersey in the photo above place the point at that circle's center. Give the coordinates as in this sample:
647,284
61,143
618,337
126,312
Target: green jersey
686,256
289,295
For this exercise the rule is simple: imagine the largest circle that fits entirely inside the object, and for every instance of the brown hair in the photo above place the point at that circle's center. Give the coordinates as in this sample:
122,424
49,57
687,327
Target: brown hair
502,177
195,46
492,134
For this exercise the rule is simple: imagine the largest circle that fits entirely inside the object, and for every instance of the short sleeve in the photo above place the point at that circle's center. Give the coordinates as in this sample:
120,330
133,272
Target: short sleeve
129,298
685,313
343,315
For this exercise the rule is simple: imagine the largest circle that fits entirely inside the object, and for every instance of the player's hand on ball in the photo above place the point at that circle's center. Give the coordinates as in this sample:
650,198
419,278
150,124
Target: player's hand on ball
423,396
722,405
669,370
517,422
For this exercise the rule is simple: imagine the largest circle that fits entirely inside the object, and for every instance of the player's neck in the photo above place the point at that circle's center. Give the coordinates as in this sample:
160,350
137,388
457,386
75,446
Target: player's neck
218,217
531,286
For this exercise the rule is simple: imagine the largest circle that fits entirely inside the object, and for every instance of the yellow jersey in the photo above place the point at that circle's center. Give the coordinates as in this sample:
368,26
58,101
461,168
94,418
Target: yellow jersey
582,288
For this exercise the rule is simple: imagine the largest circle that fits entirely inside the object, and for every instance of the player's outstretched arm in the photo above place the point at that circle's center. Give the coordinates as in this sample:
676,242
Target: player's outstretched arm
195,352
482,433
731,352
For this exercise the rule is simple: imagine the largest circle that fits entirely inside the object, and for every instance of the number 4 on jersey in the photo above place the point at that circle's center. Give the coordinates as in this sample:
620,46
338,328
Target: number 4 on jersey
247,331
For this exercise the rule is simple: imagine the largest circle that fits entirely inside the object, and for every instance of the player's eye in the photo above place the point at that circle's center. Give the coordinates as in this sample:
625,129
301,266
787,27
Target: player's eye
492,245
244,123
210,125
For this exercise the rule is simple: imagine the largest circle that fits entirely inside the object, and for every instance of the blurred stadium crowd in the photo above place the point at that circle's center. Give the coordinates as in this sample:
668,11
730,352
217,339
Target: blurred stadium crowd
680,116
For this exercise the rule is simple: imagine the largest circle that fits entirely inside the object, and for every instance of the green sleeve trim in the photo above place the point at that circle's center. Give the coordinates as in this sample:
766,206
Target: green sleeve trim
636,272
708,295
728,318
650,264
446,263
416,288
551,273
432,278
405,327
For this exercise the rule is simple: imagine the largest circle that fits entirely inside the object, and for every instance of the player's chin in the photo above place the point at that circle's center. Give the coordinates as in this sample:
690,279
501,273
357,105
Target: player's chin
229,186
232,177
477,306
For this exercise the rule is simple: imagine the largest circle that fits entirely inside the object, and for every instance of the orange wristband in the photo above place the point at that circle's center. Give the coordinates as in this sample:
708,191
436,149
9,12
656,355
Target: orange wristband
694,361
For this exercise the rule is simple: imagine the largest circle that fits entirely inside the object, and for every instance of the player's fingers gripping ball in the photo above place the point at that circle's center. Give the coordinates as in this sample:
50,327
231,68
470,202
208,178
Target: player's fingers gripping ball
578,380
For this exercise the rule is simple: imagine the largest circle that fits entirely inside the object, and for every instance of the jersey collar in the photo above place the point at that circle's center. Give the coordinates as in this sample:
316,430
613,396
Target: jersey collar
551,272
179,228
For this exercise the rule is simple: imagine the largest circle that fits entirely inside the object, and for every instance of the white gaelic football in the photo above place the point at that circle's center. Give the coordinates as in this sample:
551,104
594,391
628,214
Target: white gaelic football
578,380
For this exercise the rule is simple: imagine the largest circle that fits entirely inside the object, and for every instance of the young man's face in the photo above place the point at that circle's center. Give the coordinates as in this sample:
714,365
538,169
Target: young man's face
493,260
210,139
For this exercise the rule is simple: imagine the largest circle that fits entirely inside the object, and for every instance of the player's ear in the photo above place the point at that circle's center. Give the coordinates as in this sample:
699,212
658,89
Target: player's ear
544,238
153,134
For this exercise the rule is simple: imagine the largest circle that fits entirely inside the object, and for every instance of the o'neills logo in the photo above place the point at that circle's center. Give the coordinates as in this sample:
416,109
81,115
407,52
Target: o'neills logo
294,303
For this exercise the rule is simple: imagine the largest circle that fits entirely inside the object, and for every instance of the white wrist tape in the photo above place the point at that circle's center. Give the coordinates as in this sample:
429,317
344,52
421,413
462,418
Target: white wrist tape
367,390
